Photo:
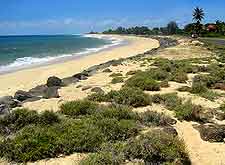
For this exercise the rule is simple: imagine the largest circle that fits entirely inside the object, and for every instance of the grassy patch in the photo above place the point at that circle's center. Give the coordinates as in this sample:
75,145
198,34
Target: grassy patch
117,80
22,117
157,147
78,108
150,118
143,81
126,96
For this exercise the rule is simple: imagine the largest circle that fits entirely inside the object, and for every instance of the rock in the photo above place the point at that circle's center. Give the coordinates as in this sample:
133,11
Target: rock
22,95
97,90
9,101
85,88
81,76
51,92
220,86
78,86
170,130
69,80
38,90
54,81
212,132
220,116
107,70
198,114
4,110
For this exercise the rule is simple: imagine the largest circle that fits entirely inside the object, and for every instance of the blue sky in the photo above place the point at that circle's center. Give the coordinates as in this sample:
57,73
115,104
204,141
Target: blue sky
79,16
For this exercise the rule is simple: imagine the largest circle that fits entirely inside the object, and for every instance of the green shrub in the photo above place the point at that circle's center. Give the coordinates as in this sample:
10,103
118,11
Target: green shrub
115,75
48,117
39,142
170,100
157,147
116,80
198,87
78,108
201,89
208,80
151,118
20,118
118,112
129,96
126,96
180,77
143,81
108,155
222,107
158,74
116,130
99,97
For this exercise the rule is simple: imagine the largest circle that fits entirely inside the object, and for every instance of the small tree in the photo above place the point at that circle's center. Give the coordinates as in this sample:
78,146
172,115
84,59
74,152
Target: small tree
198,16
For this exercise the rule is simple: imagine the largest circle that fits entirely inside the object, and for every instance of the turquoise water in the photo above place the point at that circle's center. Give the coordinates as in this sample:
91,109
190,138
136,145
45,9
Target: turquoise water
23,51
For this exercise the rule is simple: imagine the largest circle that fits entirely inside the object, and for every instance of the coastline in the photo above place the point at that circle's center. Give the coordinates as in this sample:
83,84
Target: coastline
27,78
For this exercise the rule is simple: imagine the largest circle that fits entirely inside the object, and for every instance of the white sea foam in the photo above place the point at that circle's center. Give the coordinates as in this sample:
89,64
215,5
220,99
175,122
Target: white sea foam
27,62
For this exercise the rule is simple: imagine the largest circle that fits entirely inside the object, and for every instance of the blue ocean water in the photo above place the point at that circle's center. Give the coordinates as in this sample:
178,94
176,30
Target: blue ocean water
23,51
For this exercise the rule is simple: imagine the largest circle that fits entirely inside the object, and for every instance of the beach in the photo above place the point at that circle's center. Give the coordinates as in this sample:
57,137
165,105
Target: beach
29,78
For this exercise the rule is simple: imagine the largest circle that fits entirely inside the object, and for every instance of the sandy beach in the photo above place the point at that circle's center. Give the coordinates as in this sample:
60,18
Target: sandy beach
28,78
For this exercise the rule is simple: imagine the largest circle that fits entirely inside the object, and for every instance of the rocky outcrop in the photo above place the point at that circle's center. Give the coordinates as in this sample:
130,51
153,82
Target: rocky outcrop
54,81
22,95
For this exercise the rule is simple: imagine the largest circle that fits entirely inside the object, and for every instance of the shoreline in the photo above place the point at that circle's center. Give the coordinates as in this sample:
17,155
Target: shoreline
28,78
115,42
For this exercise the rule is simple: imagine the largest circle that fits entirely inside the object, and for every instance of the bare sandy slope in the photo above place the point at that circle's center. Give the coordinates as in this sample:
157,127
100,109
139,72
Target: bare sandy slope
26,79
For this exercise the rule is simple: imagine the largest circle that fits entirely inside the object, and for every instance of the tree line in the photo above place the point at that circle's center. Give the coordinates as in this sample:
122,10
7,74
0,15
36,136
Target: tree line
197,28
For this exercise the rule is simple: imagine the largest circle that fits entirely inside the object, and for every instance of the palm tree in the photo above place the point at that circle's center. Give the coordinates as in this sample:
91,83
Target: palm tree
198,16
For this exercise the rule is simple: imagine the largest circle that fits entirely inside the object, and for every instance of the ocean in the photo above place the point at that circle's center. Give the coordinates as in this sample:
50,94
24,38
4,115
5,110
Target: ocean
19,52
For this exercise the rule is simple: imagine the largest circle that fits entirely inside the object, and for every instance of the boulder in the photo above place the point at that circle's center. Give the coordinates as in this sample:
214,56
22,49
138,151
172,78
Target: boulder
9,101
22,95
220,86
170,130
97,90
81,76
54,81
51,92
38,90
107,70
69,80
212,132
4,110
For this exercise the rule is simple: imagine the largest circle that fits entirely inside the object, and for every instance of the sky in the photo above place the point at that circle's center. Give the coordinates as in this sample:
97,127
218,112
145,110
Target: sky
24,17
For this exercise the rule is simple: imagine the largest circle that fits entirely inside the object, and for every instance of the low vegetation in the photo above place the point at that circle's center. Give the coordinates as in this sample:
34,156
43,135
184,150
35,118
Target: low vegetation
117,80
126,96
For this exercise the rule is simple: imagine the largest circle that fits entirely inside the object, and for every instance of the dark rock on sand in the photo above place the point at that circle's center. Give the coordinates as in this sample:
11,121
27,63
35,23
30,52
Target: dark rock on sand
97,90
38,90
81,76
212,132
220,86
220,116
107,70
170,130
54,81
9,101
69,80
51,92
22,95
4,110
86,88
